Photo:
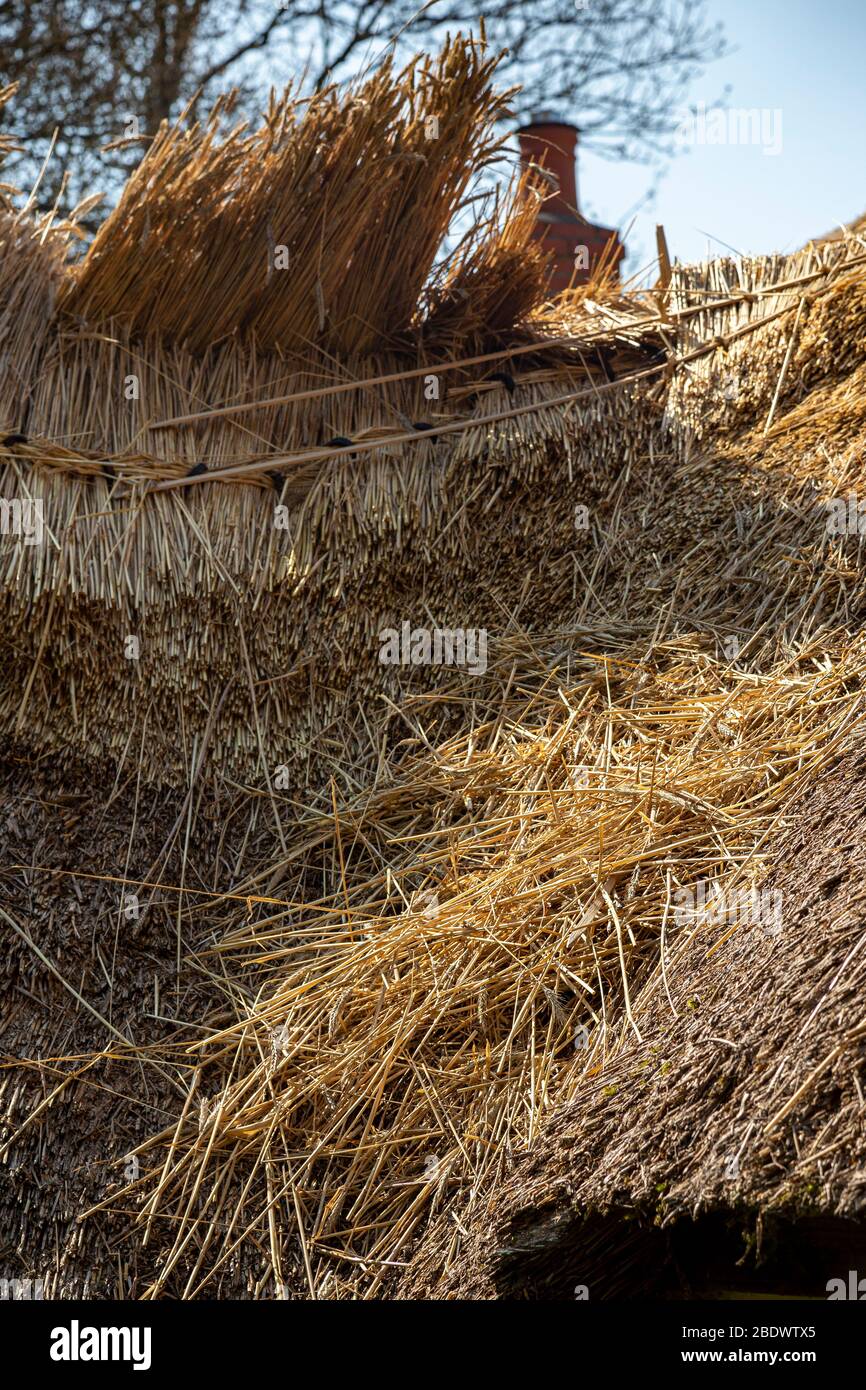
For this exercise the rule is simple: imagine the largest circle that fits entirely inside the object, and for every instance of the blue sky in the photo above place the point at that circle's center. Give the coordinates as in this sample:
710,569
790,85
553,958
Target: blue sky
806,60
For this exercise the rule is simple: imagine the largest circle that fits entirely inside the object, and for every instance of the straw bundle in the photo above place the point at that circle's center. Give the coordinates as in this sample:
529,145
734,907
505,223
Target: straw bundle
322,226
310,596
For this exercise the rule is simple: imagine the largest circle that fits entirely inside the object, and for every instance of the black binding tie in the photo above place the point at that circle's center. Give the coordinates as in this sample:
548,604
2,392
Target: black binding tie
603,359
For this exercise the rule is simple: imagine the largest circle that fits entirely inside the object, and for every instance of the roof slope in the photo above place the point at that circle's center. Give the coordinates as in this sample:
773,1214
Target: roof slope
743,1095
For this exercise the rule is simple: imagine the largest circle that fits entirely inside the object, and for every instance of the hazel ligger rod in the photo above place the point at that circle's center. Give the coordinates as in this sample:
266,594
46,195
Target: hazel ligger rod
338,388
365,446
542,345
458,426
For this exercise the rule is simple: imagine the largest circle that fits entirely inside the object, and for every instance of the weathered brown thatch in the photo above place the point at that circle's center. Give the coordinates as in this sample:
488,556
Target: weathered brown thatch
726,1148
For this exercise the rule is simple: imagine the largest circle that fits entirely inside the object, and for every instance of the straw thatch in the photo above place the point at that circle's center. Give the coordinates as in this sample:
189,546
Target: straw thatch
736,1118
86,975
385,900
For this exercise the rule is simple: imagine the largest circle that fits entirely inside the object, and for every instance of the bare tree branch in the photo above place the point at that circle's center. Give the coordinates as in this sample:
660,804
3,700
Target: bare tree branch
621,69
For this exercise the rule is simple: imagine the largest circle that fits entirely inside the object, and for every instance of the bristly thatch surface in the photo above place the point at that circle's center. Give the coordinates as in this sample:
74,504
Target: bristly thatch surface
82,977
379,904
743,1092
444,378
422,1017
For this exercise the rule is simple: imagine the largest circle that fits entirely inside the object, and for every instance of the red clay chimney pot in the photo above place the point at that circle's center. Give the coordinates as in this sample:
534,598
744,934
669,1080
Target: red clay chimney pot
552,143
577,245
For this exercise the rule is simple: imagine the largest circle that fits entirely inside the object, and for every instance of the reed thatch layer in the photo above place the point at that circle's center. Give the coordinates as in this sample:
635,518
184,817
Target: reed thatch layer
385,1073
436,507
92,983
743,1093
244,265
397,1056
289,619
33,265
807,310
446,527
457,377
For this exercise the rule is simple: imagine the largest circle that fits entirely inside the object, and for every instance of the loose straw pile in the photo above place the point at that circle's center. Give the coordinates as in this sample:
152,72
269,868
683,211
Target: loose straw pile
494,906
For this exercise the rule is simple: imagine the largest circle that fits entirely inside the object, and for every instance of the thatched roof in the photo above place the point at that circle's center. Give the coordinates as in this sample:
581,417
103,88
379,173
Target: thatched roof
384,952
737,1113
86,980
